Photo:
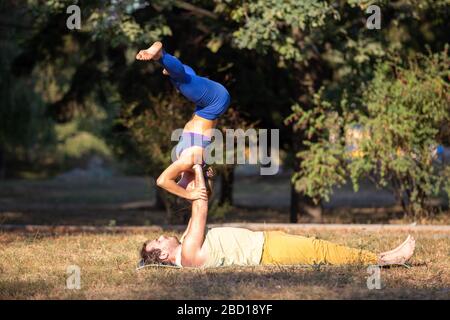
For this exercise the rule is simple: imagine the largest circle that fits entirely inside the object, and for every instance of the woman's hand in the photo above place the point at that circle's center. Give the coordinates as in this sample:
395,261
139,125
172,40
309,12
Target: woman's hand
198,193
210,173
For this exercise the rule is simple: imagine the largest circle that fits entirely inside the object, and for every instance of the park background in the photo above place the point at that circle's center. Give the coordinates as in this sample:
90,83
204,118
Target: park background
363,115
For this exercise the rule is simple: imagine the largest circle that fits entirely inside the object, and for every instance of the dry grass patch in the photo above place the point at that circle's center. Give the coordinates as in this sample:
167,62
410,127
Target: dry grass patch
34,267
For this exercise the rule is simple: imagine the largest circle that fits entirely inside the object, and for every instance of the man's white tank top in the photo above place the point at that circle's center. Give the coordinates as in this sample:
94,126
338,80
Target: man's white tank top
233,246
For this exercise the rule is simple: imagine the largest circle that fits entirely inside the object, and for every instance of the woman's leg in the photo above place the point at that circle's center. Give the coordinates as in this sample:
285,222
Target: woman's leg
211,97
177,71
175,68
285,249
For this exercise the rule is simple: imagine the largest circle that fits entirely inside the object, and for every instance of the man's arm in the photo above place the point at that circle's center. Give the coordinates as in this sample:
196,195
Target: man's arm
193,242
186,231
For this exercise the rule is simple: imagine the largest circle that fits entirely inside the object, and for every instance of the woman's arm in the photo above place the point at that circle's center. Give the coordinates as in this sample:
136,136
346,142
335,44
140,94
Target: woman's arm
167,181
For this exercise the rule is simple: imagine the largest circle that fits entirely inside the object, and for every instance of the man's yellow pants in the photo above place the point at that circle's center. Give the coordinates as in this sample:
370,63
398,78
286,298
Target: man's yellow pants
285,249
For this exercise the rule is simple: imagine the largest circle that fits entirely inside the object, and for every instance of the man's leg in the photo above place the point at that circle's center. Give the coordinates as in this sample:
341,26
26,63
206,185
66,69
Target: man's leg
285,249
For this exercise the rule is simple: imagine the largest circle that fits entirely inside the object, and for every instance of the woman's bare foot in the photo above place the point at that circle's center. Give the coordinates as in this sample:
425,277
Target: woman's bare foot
399,255
209,174
154,52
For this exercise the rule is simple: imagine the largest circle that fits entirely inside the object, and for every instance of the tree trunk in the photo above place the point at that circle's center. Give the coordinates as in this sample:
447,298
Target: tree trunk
159,199
177,210
167,207
307,206
303,205
226,187
294,204
2,163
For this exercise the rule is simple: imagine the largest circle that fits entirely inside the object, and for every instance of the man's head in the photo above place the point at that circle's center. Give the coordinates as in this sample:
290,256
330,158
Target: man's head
160,251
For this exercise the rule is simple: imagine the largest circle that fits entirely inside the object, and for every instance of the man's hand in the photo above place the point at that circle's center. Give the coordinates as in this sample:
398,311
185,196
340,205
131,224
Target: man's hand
198,193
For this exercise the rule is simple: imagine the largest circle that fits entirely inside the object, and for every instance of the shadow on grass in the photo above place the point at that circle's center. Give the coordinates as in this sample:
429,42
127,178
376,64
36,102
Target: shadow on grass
285,283
19,289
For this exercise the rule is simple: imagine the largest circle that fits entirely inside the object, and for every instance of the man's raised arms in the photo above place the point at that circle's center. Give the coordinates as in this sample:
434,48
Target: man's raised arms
192,254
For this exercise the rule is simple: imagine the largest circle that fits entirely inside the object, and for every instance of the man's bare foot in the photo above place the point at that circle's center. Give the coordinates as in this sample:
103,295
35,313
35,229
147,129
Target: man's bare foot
397,248
154,52
399,255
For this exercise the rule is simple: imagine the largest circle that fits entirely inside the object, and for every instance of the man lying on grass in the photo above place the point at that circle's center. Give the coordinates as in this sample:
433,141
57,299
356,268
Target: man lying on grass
219,247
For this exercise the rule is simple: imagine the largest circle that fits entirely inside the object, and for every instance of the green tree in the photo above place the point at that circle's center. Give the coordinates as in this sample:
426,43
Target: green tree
270,54
24,127
403,115
326,44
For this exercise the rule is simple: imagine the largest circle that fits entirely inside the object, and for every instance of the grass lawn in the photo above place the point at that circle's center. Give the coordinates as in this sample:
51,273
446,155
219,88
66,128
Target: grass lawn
34,267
